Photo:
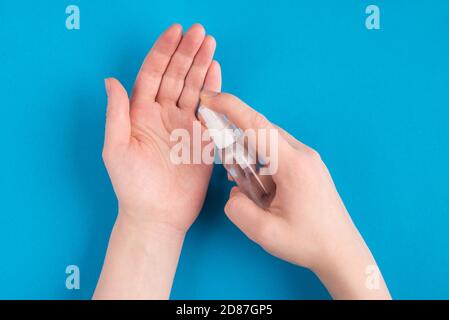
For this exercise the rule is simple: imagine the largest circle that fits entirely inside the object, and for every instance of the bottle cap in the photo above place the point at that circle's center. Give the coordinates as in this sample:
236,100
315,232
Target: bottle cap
220,128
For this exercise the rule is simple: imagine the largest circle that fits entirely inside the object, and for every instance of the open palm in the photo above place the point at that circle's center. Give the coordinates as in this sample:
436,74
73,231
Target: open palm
151,188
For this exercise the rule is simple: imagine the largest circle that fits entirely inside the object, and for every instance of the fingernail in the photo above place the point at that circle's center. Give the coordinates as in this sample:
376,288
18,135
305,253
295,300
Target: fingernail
107,85
208,93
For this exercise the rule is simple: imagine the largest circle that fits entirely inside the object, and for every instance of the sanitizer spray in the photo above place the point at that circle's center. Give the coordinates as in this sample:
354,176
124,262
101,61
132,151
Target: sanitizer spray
238,159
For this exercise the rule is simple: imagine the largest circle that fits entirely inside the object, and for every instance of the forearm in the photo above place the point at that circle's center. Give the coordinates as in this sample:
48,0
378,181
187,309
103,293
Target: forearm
349,270
140,262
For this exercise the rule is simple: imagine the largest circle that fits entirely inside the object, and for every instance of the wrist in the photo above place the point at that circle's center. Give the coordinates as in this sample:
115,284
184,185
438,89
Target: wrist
348,269
141,260
148,229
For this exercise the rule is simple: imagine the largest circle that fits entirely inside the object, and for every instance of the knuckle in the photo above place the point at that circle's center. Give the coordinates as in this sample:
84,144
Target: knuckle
259,121
194,81
227,98
314,154
178,70
229,207
106,154
265,233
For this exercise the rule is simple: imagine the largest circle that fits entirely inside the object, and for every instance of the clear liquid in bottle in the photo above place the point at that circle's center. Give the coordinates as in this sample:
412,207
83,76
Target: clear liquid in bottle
237,159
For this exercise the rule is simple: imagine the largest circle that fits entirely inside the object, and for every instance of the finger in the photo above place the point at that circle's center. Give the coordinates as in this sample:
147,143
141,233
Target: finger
212,82
153,68
118,127
235,109
298,145
213,77
173,79
257,224
196,76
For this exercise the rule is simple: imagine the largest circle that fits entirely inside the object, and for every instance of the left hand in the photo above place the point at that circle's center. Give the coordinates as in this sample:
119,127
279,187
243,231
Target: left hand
152,190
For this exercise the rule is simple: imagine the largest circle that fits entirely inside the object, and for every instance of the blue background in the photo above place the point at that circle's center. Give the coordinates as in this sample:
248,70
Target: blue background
374,103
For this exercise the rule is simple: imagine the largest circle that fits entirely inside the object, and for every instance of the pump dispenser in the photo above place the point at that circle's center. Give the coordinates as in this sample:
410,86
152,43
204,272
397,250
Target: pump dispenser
237,158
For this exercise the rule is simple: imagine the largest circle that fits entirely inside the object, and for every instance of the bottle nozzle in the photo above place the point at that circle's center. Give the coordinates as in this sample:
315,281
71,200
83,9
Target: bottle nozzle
220,129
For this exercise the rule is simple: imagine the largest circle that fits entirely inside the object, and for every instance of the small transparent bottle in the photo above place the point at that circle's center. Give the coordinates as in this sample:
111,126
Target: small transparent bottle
237,158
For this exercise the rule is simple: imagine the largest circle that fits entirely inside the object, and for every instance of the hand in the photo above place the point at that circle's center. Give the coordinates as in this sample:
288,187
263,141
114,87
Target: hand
306,223
158,200
149,187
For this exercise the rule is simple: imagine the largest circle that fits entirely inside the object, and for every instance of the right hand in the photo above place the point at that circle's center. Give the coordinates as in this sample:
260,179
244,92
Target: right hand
307,222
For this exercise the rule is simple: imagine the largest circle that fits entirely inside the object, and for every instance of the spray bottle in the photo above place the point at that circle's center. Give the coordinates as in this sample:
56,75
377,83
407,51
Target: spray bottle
238,158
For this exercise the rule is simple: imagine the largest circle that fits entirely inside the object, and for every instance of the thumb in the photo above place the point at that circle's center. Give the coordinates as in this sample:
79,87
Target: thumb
257,224
242,115
268,145
118,127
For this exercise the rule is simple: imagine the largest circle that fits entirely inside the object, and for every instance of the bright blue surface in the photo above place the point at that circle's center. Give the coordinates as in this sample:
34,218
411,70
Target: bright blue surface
374,103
